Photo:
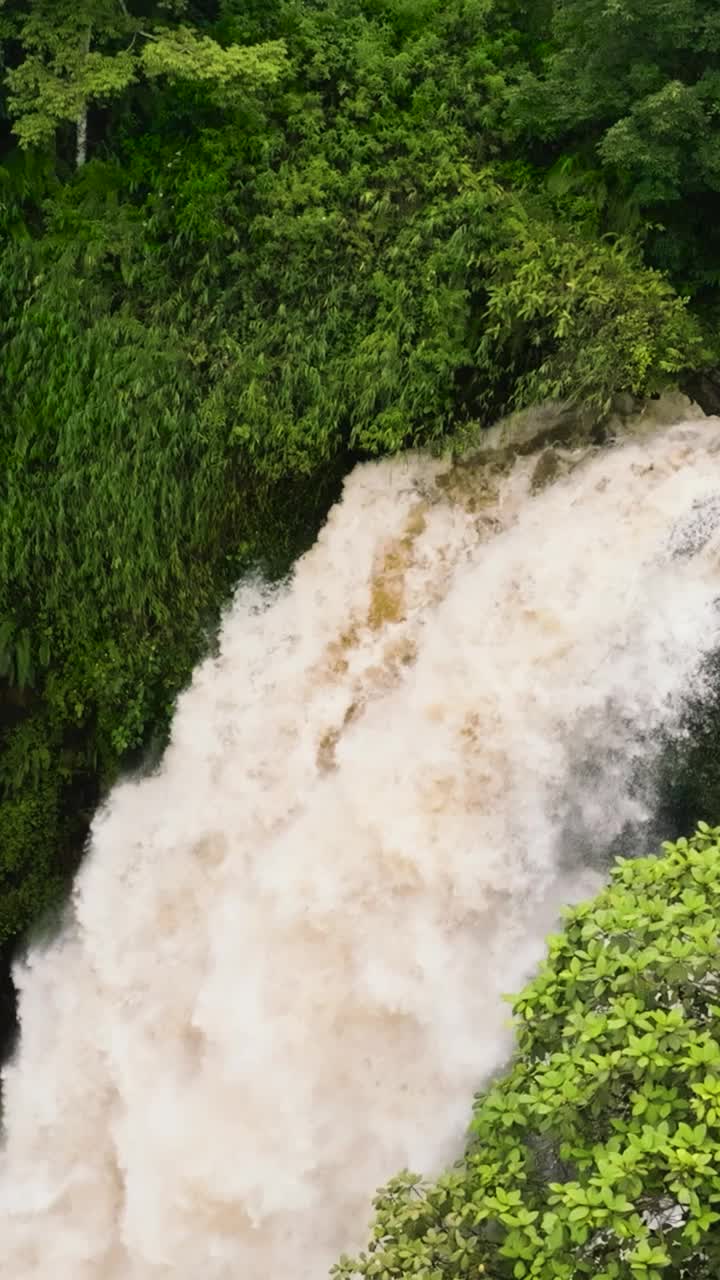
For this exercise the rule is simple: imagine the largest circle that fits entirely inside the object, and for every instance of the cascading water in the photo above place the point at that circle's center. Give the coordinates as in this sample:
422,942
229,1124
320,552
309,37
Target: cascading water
281,981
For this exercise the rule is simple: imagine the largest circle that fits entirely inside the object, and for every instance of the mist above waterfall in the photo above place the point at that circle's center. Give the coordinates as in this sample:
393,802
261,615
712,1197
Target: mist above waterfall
280,980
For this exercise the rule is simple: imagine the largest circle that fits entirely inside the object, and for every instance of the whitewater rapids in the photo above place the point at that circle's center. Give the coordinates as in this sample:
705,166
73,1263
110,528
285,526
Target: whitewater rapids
280,981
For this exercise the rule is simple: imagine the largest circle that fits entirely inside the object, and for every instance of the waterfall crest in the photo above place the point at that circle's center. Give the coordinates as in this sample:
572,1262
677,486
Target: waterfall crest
280,981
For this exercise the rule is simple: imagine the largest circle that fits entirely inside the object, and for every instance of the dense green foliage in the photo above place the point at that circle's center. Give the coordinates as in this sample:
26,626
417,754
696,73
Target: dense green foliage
243,243
598,1153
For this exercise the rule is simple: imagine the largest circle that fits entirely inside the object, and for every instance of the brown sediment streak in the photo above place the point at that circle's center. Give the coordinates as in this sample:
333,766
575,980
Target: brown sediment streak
387,585
387,607
473,484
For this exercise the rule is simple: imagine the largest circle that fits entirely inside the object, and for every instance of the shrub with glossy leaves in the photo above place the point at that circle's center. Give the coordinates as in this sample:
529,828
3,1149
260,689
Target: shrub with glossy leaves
598,1153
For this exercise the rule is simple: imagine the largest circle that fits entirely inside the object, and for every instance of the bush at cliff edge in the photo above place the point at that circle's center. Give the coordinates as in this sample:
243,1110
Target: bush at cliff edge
598,1153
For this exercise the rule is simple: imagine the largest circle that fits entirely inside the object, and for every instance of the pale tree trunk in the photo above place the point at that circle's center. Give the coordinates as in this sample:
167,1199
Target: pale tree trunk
81,122
81,128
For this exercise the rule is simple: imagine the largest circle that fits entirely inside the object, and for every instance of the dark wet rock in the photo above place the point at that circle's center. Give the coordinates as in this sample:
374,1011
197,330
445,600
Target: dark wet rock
704,389
546,470
561,425
544,425
625,404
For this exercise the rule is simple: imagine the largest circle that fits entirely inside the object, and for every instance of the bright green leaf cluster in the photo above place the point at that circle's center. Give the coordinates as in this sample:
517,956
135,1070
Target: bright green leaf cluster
183,54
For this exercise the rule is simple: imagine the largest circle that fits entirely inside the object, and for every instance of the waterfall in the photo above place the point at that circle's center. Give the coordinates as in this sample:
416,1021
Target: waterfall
280,980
